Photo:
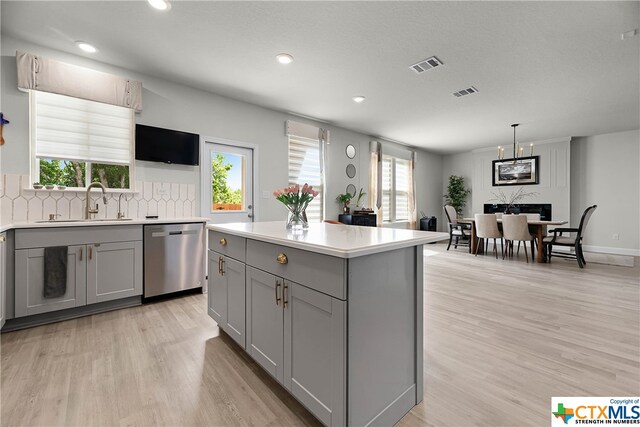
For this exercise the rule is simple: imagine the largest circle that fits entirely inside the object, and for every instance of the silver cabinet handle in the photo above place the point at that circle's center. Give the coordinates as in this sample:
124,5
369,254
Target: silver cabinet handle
80,254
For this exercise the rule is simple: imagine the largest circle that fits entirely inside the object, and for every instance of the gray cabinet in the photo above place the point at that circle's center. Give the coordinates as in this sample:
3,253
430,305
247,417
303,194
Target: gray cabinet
297,334
114,271
314,349
29,288
3,279
103,264
227,295
265,319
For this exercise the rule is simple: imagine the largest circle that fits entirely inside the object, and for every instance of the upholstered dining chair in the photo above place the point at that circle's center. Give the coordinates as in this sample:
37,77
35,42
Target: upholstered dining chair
575,242
516,228
458,231
487,228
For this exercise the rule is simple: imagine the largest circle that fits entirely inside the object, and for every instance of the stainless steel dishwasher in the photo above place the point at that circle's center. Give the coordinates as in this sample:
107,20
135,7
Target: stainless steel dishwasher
173,258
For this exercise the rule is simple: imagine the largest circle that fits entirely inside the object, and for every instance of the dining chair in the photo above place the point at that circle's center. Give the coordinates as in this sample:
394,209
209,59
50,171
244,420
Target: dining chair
516,228
558,239
457,230
487,228
532,216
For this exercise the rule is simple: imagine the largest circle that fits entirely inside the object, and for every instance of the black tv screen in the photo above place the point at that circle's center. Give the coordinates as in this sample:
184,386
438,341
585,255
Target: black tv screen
167,146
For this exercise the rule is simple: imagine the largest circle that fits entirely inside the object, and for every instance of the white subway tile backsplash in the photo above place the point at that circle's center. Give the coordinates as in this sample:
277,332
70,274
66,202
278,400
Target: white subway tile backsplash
48,207
19,209
132,209
62,208
20,202
142,208
6,210
175,191
76,209
147,191
162,209
13,186
152,207
191,192
34,209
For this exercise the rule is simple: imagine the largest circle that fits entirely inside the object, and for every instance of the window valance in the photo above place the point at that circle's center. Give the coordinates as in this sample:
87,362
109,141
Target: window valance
48,75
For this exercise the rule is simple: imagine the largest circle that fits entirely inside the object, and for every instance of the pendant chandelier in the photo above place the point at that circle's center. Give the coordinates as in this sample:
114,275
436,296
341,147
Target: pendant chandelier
518,151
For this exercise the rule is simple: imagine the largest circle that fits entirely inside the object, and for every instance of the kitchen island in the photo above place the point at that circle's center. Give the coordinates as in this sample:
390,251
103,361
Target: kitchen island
334,314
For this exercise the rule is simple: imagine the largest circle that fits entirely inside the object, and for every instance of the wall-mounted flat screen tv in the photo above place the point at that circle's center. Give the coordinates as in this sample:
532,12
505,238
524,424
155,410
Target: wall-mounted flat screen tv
167,146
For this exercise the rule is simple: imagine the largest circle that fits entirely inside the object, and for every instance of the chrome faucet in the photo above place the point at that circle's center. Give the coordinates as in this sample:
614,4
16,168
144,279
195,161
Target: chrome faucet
120,213
87,210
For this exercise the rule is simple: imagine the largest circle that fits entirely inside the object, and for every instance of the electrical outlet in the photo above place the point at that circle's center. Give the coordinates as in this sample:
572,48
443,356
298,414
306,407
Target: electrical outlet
265,194
615,236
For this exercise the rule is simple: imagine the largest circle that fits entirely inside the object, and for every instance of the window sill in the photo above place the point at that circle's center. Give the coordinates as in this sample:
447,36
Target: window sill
81,190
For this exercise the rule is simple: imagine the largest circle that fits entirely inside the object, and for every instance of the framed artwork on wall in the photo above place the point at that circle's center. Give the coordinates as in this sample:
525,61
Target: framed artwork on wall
522,171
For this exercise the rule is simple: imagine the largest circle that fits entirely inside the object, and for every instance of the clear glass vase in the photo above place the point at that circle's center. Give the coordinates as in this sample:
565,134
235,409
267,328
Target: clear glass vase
297,220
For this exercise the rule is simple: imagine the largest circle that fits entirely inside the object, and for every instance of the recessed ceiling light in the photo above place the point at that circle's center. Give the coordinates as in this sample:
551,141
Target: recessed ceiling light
358,99
160,4
284,58
86,46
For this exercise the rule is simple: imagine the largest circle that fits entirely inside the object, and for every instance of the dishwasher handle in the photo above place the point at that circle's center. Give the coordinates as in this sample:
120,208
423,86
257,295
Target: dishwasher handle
173,233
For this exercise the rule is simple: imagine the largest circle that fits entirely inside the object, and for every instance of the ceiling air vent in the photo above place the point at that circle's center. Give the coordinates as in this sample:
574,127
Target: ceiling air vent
467,91
425,65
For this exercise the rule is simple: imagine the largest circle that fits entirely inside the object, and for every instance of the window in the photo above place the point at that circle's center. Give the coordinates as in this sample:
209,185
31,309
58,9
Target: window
75,141
306,166
395,189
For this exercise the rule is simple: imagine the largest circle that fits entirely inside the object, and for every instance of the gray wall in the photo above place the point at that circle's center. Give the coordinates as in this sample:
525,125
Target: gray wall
604,172
171,105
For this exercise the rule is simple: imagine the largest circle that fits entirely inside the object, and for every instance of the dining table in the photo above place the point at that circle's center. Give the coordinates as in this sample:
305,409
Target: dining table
538,229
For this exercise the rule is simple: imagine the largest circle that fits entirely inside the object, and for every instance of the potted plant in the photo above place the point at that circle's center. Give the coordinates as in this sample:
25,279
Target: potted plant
345,199
456,193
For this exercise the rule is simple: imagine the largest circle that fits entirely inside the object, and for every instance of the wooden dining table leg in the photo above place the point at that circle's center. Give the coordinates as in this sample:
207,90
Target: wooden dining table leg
541,232
474,241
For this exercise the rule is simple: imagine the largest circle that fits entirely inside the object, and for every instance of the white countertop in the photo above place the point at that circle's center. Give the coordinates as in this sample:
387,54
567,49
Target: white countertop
135,221
344,241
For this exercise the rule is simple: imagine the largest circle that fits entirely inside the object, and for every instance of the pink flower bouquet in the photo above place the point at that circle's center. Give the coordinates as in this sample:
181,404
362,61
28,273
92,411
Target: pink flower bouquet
296,199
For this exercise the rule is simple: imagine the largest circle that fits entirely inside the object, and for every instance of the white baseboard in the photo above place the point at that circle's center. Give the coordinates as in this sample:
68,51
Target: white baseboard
610,250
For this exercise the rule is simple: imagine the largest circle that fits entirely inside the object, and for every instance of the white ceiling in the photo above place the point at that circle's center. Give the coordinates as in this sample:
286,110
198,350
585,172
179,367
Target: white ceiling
558,68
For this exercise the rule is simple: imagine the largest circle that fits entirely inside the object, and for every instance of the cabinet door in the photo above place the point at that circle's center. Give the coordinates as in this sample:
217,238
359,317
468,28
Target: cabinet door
234,274
217,289
114,271
314,351
29,278
265,320
3,279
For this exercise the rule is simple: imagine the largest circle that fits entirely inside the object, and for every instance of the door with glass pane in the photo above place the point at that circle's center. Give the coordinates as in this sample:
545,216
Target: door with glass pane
228,191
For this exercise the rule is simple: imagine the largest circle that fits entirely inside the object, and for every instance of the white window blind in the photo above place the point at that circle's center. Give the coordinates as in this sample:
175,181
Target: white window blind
305,166
395,189
77,129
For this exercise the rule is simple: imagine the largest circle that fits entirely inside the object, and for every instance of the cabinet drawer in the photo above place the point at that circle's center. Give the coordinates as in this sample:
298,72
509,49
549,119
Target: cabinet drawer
227,244
323,273
65,236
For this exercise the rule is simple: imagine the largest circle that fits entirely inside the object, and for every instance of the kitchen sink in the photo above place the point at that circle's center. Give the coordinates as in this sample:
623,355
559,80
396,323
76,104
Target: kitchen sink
55,221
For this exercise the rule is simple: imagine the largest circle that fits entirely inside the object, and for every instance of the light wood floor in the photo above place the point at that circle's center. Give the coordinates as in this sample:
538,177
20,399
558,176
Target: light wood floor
501,338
